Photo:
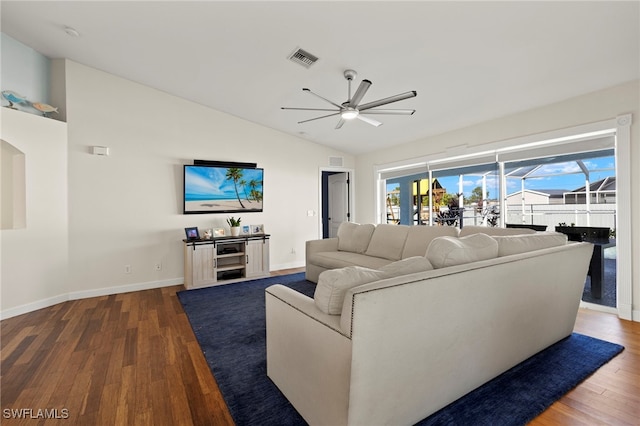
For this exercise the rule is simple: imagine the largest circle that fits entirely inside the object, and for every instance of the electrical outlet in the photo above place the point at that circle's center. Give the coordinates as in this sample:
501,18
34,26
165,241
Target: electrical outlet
127,269
158,266
293,250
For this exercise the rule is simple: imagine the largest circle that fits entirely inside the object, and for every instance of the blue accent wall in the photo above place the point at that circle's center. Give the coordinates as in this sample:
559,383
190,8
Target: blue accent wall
24,71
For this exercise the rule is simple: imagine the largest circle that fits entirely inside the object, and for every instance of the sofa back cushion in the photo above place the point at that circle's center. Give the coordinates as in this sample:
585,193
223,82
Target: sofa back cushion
410,265
334,283
419,238
387,241
514,244
354,237
450,251
489,230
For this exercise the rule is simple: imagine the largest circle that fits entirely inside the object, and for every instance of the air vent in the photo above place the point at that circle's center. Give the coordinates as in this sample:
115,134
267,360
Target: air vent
303,58
336,161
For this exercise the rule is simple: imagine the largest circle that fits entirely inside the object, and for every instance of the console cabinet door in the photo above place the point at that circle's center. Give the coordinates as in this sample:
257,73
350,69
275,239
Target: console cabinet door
257,252
203,265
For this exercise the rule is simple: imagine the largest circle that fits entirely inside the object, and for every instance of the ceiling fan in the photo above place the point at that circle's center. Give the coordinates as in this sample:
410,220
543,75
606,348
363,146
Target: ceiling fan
352,108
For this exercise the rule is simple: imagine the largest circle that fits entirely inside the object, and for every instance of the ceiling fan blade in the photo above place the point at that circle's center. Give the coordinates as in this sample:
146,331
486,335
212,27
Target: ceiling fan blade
340,123
369,120
357,97
324,99
318,118
390,111
309,109
390,99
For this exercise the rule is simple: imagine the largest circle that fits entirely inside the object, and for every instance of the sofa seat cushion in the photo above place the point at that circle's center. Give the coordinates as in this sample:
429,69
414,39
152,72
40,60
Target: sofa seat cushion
341,259
354,237
388,241
333,284
419,238
410,265
514,244
450,251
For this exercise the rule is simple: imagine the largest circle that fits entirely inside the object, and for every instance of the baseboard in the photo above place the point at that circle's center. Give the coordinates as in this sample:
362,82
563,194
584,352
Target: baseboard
33,306
599,308
290,265
76,295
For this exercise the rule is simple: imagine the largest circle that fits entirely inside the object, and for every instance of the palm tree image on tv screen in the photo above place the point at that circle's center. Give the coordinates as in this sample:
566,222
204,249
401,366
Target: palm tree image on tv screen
213,189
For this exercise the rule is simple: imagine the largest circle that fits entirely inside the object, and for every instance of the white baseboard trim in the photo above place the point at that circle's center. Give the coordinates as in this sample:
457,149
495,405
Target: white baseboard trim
85,294
290,265
33,306
76,295
624,313
599,308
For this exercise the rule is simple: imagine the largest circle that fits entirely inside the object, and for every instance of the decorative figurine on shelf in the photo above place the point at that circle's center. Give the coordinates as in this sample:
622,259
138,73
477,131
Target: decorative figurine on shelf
44,108
13,98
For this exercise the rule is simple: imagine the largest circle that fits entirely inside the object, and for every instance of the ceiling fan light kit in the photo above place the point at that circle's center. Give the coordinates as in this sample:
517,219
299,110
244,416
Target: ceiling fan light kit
352,108
349,113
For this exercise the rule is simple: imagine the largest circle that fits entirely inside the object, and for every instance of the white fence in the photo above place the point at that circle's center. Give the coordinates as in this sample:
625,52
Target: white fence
600,215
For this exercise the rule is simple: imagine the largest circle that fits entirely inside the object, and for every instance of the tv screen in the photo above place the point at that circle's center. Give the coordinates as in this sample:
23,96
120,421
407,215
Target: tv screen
217,189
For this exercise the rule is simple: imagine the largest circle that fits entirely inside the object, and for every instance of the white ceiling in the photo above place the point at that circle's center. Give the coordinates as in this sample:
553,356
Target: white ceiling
468,61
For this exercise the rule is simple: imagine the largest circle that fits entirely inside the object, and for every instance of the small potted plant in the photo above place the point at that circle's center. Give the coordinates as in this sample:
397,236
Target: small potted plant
234,224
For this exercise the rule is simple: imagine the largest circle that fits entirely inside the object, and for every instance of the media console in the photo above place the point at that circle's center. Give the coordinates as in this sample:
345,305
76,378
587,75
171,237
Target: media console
223,260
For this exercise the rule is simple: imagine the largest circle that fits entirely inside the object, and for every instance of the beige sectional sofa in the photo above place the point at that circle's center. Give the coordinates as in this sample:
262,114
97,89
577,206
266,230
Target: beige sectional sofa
373,246
383,346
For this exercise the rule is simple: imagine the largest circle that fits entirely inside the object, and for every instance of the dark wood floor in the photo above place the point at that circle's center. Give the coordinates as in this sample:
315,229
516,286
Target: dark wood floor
132,359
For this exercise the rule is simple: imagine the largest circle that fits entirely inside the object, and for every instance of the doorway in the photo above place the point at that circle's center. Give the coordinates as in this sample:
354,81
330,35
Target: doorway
336,201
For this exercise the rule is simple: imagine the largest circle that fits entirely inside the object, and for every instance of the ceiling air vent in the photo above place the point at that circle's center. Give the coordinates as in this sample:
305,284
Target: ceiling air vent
303,58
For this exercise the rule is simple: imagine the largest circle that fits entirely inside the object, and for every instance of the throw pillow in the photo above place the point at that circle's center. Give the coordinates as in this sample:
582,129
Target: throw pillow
450,251
334,283
354,237
514,244
410,265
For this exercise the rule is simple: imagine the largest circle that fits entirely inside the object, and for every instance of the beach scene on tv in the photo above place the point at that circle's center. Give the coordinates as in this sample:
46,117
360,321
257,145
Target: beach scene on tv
219,189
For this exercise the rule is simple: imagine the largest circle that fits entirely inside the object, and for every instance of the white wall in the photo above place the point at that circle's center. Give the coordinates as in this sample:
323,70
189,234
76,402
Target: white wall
126,209
35,258
599,106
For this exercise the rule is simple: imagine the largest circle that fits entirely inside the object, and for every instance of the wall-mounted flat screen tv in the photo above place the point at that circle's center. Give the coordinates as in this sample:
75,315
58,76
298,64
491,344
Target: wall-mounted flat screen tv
219,189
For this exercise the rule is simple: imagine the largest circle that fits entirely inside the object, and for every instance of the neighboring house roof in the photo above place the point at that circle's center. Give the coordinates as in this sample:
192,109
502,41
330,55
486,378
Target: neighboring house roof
552,193
606,184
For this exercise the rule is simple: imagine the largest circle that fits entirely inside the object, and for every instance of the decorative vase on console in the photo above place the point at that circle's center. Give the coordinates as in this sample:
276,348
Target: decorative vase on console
234,224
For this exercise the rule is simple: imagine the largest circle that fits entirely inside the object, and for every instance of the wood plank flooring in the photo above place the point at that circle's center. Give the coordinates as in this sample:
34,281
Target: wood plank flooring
132,359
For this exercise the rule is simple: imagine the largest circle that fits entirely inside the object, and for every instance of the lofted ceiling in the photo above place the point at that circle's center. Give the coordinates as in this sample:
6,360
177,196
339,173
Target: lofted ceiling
469,61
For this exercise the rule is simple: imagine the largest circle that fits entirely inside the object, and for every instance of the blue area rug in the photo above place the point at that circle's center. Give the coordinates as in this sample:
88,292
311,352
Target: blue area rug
229,323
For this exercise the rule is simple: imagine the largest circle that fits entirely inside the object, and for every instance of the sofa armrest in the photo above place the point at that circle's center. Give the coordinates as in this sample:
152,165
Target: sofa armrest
305,305
307,358
312,271
318,246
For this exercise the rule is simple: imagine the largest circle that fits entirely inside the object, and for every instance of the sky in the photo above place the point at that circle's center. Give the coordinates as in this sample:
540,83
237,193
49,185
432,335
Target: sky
552,176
